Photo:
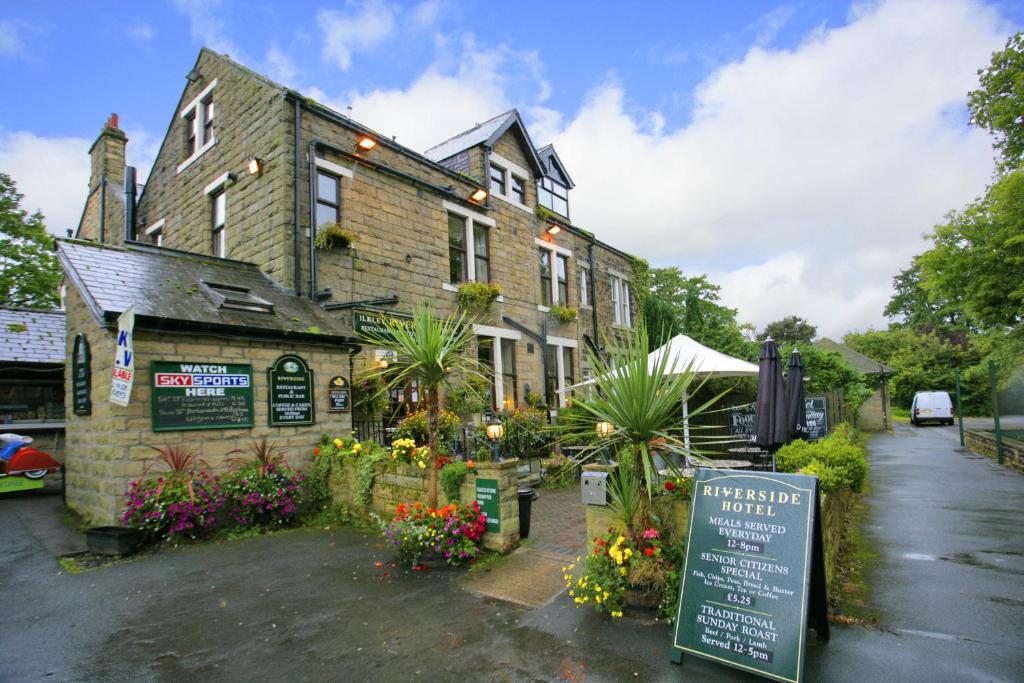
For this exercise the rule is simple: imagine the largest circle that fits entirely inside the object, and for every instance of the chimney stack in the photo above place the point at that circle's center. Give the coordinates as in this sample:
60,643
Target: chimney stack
104,217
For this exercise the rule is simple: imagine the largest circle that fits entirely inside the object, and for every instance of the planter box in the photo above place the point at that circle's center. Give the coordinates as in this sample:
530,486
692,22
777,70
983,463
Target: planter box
112,540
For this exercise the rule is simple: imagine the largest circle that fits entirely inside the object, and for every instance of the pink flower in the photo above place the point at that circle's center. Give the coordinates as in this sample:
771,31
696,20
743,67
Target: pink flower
650,533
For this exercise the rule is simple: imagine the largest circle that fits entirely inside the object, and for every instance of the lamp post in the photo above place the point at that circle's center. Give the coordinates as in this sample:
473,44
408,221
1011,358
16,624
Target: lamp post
605,430
495,430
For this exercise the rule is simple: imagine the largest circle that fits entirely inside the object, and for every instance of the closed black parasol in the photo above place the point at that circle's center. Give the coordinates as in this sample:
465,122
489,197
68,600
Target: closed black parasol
796,413
770,408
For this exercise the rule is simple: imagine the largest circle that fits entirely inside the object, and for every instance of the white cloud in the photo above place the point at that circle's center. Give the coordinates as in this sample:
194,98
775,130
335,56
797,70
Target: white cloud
10,40
829,159
51,173
140,31
345,33
207,27
280,67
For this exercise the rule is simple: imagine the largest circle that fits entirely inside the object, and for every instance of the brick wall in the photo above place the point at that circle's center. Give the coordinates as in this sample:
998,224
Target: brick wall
108,449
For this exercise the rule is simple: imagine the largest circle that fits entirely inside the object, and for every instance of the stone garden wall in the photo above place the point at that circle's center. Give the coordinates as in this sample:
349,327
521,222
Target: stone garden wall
983,441
400,483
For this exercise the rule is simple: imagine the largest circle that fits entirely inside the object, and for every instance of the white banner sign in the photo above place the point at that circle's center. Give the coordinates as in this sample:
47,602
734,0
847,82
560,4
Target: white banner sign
124,360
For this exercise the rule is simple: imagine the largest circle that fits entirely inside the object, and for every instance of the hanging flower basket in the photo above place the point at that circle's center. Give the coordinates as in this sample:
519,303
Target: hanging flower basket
333,236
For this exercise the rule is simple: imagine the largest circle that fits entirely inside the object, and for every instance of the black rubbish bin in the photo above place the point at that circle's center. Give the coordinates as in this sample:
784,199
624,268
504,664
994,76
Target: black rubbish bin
526,498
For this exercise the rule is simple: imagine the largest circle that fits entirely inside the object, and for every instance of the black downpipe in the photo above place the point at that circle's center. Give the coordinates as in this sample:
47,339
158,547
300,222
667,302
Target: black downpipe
129,203
593,290
311,152
103,208
298,211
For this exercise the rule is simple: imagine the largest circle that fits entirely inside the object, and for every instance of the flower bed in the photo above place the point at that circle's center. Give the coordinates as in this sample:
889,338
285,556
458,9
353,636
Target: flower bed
451,532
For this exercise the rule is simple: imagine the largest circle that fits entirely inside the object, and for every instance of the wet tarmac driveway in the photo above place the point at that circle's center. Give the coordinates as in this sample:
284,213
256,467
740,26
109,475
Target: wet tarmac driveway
311,604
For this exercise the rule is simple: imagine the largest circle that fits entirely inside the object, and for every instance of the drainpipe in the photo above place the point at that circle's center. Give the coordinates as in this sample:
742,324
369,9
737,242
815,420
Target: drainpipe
295,198
593,290
311,153
103,208
129,203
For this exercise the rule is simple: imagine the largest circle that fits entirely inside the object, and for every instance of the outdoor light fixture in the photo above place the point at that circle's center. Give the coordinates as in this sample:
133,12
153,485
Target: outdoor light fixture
366,143
478,195
495,430
382,364
554,229
604,429
255,165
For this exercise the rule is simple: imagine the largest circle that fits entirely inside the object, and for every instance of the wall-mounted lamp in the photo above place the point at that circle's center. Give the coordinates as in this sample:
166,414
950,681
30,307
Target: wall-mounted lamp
604,429
255,165
554,229
478,195
366,144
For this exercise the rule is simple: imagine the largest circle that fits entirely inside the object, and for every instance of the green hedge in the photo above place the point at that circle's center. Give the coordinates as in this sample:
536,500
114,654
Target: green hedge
839,460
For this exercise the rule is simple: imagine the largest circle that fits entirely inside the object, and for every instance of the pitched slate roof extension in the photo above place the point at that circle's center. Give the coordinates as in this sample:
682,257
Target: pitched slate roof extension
855,359
29,336
170,291
486,133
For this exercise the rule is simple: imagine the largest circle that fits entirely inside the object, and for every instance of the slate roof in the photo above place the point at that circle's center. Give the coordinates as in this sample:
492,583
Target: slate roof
169,291
547,153
28,336
486,133
855,359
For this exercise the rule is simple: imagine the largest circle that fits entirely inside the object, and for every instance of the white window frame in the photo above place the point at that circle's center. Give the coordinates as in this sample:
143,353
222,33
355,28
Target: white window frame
195,107
471,217
509,169
619,283
497,334
213,188
561,344
157,230
584,268
553,267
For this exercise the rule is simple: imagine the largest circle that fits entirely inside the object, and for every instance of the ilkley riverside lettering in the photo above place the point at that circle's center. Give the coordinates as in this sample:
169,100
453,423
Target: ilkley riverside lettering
750,501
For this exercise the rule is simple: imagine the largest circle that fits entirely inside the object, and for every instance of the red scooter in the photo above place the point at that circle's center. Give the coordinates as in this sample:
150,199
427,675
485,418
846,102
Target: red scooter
18,458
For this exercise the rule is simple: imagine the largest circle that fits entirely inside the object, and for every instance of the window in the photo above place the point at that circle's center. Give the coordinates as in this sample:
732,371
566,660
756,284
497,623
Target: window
562,273
519,189
237,298
481,252
155,233
197,120
620,301
559,370
469,246
497,180
498,354
584,285
328,199
551,375
456,249
553,195
545,277
219,204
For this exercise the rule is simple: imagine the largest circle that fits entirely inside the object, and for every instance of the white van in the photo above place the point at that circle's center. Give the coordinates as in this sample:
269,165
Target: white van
934,406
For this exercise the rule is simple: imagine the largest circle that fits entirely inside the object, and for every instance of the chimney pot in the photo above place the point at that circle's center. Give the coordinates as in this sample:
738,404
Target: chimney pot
112,121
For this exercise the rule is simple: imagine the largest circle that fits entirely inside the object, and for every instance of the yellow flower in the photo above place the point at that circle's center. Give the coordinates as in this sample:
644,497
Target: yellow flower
622,571
616,614
422,465
606,594
357,447
337,443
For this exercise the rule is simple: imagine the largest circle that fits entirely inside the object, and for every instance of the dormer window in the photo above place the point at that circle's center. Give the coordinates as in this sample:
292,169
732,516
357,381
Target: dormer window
553,195
236,298
197,122
508,181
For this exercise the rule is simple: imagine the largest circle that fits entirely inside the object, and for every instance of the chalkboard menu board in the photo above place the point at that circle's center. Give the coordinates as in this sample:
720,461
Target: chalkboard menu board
338,395
489,500
741,422
754,572
201,396
81,376
290,393
816,410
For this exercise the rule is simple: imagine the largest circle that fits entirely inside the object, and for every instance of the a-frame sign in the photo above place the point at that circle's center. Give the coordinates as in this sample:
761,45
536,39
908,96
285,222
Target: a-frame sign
754,578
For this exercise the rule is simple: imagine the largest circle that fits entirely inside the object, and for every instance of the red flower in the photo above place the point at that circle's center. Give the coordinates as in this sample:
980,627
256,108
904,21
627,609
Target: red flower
316,451
648,551
669,486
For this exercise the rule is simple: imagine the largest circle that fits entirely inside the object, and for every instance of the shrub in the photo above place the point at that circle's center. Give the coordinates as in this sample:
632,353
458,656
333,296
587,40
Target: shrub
262,497
525,435
477,297
559,470
414,427
839,460
452,476
406,451
173,507
451,532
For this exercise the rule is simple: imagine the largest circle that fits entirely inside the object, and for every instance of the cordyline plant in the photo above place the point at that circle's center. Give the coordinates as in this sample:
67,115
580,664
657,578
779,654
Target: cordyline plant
429,351
642,400
262,453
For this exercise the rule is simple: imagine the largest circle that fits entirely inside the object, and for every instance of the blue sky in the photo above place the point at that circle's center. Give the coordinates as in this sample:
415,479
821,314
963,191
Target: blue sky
794,151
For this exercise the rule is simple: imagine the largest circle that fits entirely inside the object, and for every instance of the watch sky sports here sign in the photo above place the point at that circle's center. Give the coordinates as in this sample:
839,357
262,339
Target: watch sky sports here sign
201,396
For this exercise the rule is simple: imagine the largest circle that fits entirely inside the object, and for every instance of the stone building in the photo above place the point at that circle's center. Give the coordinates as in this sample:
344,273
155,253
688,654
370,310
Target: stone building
876,412
257,187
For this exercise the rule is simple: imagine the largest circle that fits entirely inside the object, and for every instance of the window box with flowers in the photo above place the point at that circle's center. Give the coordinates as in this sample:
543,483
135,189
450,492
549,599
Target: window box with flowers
477,297
333,236
563,314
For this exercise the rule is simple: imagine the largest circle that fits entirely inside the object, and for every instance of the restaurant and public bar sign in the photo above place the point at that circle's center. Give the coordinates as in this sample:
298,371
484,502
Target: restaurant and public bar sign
201,395
754,577
370,321
81,376
290,393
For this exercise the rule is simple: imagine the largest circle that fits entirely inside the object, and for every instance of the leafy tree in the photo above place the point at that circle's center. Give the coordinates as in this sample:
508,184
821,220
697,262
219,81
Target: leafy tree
998,105
29,270
791,330
978,256
912,304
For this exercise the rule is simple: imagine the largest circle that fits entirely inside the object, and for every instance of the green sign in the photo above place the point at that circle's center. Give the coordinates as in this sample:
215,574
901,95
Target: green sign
201,396
290,393
372,322
81,376
754,569
489,499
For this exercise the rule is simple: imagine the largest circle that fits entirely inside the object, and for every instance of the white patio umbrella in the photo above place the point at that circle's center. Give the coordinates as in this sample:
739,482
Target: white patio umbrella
706,362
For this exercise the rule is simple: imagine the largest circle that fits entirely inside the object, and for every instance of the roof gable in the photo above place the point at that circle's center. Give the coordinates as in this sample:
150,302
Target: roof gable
487,133
855,359
554,168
